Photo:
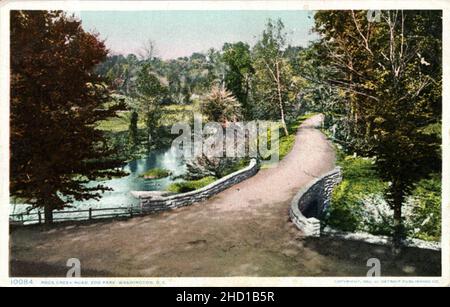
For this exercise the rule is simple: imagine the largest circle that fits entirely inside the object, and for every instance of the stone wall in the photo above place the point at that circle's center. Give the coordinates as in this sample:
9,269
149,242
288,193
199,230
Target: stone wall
310,203
156,201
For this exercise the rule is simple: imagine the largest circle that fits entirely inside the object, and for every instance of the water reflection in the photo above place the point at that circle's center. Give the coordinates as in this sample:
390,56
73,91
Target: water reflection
166,159
120,195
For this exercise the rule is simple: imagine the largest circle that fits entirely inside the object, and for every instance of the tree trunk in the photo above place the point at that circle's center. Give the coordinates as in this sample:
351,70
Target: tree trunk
280,100
149,130
283,123
48,214
134,128
399,231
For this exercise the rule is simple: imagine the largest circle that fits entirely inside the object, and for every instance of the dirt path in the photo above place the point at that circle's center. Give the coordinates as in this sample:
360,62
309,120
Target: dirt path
243,231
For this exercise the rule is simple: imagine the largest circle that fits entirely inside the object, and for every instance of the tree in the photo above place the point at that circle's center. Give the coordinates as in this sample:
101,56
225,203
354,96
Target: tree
148,51
237,57
318,95
150,91
221,106
273,75
133,129
391,73
56,101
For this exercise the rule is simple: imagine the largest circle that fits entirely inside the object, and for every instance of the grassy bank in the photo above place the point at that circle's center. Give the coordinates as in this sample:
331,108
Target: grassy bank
191,185
358,202
171,114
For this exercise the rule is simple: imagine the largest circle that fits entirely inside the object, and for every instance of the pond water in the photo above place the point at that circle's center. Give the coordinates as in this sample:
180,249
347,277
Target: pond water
120,196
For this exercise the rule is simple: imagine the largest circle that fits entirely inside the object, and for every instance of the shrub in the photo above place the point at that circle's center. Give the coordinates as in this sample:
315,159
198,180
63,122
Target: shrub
348,199
192,185
156,173
358,203
426,209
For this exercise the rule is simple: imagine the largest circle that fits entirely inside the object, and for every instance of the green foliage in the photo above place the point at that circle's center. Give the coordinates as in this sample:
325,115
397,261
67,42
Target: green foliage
156,173
359,180
119,123
237,57
192,185
221,106
173,114
273,83
426,213
151,91
390,74
286,144
358,203
56,102
236,166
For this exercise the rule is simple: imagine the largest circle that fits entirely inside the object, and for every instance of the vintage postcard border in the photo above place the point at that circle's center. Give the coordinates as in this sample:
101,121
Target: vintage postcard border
6,6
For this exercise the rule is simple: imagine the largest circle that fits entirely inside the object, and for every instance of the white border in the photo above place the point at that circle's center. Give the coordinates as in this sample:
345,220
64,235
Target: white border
8,5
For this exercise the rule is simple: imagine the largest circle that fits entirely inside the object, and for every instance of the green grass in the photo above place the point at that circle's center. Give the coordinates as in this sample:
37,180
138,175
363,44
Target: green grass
240,164
177,113
427,210
192,185
286,145
171,114
156,173
359,180
120,123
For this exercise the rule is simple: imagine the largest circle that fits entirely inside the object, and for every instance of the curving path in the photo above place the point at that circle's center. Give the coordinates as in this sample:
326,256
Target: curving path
243,231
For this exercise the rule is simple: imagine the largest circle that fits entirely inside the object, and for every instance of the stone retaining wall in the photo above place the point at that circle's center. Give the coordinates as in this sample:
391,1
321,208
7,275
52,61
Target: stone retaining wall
310,203
155,201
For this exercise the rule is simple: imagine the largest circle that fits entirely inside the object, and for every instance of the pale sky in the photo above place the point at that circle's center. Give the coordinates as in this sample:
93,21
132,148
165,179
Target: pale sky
180,33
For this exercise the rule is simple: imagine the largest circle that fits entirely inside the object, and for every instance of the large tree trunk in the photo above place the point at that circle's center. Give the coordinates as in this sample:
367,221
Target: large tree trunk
48,214
399,231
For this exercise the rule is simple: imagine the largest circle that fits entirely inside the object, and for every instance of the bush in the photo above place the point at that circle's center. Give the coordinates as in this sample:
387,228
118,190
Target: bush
192,185
348,199
358,203
156,173
426,209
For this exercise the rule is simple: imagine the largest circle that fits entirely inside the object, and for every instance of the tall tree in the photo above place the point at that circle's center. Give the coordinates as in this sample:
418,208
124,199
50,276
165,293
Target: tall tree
237,57
273,75
151,91
391,72
56,101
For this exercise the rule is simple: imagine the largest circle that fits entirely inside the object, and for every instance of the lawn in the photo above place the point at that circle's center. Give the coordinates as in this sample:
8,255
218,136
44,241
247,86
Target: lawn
191,185
358,202
172,114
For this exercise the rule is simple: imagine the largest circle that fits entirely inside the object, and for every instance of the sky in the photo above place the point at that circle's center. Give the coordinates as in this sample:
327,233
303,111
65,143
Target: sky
180,33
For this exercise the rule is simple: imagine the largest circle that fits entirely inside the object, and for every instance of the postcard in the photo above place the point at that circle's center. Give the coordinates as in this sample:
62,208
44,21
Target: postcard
224,143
